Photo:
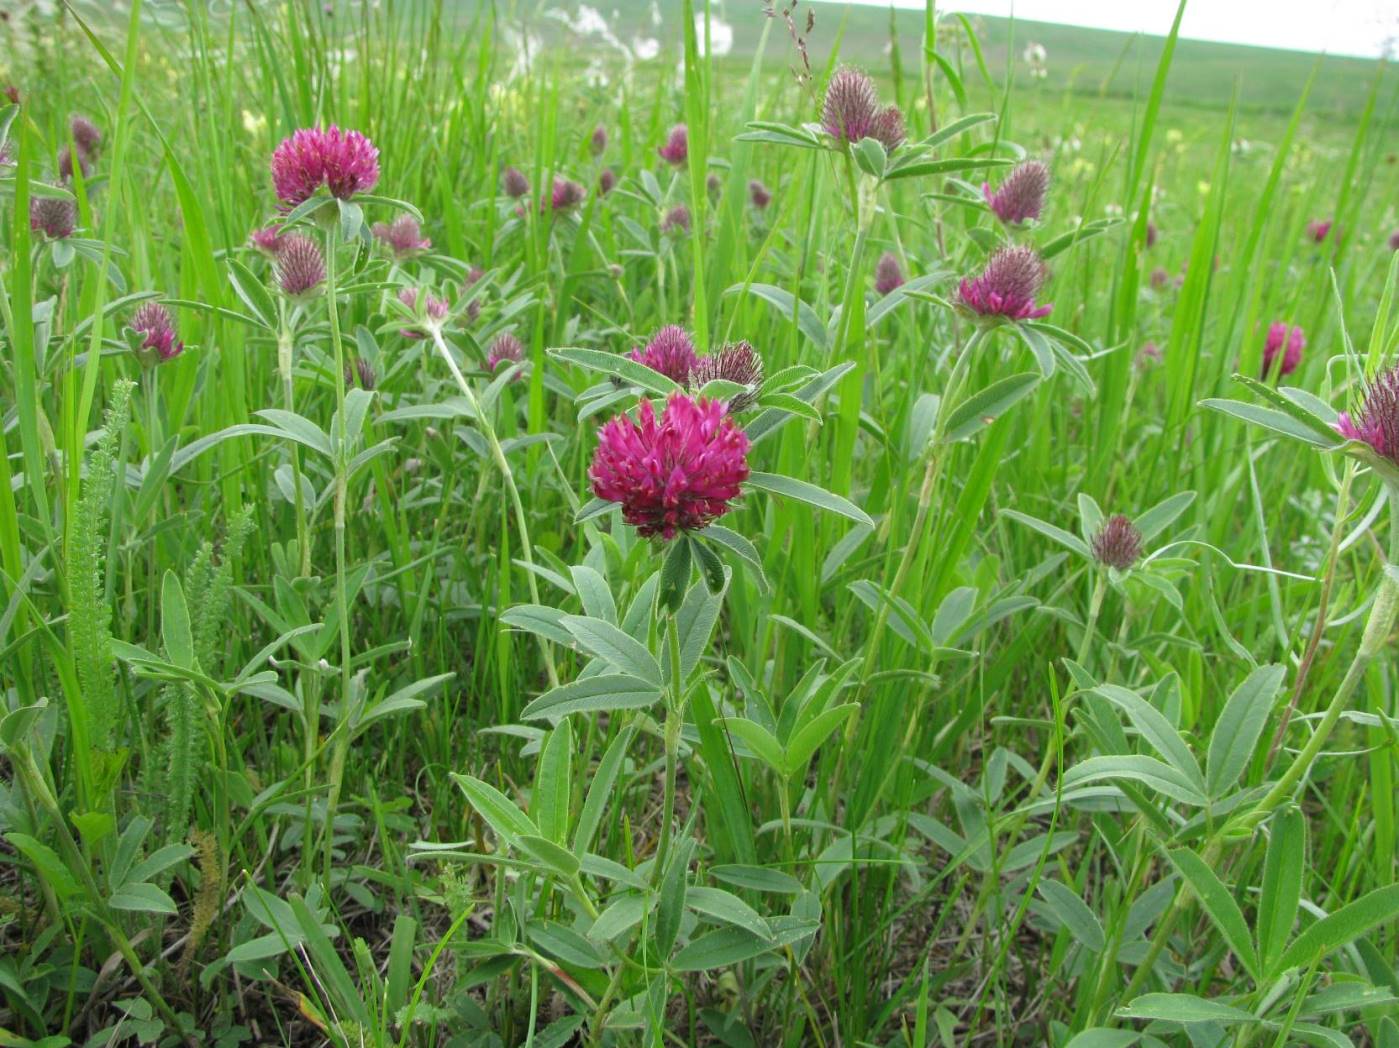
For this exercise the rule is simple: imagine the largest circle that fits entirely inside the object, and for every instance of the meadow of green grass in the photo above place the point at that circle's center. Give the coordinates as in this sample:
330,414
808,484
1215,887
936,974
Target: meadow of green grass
339,707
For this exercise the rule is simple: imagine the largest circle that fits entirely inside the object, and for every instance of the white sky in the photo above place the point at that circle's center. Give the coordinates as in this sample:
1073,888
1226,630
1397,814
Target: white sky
1347,27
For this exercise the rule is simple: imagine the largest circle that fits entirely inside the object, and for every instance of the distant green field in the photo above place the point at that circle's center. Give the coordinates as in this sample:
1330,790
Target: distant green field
1089,61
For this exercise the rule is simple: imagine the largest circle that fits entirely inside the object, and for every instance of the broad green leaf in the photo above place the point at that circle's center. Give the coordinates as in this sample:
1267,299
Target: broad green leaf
1220,904
1281,892
1183,1008
1082,923
499,811
1059,535
1240,724
986,405
790,487
175,632
1153,726
1345,925
619,650
604,692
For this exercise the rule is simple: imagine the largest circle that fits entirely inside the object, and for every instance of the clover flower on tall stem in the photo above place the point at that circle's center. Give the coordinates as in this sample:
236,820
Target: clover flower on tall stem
735,362
851,111
55,219
300,267
1007,287
403,237
1020,197
157,333
514,182
888,275
344,162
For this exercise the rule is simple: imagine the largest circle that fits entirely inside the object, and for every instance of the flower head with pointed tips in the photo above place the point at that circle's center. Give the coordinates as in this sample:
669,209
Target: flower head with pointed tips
85,135
1376,421
566,194
361,373
1118,543
759,195
267,240
851,107
403,237
505,350
736,362
1021,196
607,181
598,143
670,352
1289,341
1007,287
676,473
345,162
300,266
158,344
677,220
677,146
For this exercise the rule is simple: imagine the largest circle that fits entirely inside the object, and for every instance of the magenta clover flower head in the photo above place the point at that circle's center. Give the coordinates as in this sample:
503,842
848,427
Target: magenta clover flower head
1118,543
735,362
402,236
676,473
566,194
435,308
598,143
300,266
85,135
670,352
1007,286
1376,422
268,240
759,195
54,218
345,162
677,220
1280,336
677,146
361,373
887,274
514,182
158,342
504,351
1021,196
606,181
1317,229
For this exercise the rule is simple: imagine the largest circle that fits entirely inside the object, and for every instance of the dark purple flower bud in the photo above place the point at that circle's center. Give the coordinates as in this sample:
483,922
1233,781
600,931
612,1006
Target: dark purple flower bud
300,267
714,184
735,362
758,195
566,194
1394,240
1376,422
158,343
1160,278
345,162
54,218
12,93
1151,234
86,135
606,181
1280,335
677,146
598,143
1007,287
1021,195
889,128
361,373
514,182
1318,228
1118,543
677,220
887,274
851,107
504,351
65,164
670,352
402,236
